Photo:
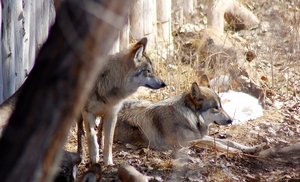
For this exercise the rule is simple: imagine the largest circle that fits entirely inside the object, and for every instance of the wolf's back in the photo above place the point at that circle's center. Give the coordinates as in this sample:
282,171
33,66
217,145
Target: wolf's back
128,128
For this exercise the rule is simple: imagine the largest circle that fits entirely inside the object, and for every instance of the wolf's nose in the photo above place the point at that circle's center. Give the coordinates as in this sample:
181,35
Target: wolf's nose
229,121
163,84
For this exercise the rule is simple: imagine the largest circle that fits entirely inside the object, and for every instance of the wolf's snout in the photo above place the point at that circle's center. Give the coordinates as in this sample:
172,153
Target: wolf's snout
157,84
163,84
229,121
223,122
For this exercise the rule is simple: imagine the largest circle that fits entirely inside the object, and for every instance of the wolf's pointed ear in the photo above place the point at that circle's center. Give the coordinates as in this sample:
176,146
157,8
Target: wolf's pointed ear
143,42
139,53
195,90
138,49
204,81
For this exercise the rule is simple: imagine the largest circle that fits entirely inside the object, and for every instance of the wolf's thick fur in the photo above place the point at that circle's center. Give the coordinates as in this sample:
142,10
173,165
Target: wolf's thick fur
176,121
121,77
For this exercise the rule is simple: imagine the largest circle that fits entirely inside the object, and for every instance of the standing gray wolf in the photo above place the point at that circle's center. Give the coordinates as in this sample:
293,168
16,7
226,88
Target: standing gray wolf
174,122
121,77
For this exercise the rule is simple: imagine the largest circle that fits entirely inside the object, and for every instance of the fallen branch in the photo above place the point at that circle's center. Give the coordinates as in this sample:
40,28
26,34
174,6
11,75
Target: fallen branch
227,145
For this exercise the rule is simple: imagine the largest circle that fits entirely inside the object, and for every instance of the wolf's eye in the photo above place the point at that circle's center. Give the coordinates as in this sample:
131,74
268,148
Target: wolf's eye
216,107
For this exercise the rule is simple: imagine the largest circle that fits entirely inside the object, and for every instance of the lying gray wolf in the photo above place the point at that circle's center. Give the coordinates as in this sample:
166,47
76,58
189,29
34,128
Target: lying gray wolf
121,77
176,121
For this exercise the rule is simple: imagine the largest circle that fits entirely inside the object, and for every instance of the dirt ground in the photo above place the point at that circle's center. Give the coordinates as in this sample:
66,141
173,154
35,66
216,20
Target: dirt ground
276,44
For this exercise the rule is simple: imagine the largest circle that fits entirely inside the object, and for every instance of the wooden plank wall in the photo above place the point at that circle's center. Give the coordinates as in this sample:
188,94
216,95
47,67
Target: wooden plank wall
25,25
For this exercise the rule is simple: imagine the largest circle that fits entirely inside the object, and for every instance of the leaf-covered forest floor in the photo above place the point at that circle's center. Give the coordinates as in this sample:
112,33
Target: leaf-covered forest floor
276,44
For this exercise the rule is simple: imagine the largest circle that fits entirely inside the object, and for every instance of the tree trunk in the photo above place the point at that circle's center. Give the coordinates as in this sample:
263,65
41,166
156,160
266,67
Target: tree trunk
235,12
57,87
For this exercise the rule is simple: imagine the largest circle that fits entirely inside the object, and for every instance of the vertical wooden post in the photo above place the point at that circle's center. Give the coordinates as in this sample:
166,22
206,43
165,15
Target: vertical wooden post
164,32
17,23
136,19
44,17
188,9
143,20
38,23
116,45
124,35
149,22
8,49
32,15
26,38
215,15
51,15
164,19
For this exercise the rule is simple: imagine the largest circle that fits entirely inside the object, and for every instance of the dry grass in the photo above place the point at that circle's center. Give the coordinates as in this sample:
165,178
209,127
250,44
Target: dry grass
276,68
276,45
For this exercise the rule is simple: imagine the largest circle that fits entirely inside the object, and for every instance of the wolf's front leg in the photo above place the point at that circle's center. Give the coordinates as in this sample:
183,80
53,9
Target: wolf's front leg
93,147
109,124
227,145
241,147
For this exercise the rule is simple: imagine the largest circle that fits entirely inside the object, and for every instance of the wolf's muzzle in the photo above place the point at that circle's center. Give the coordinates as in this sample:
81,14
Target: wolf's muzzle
156,86
163,85
227,122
